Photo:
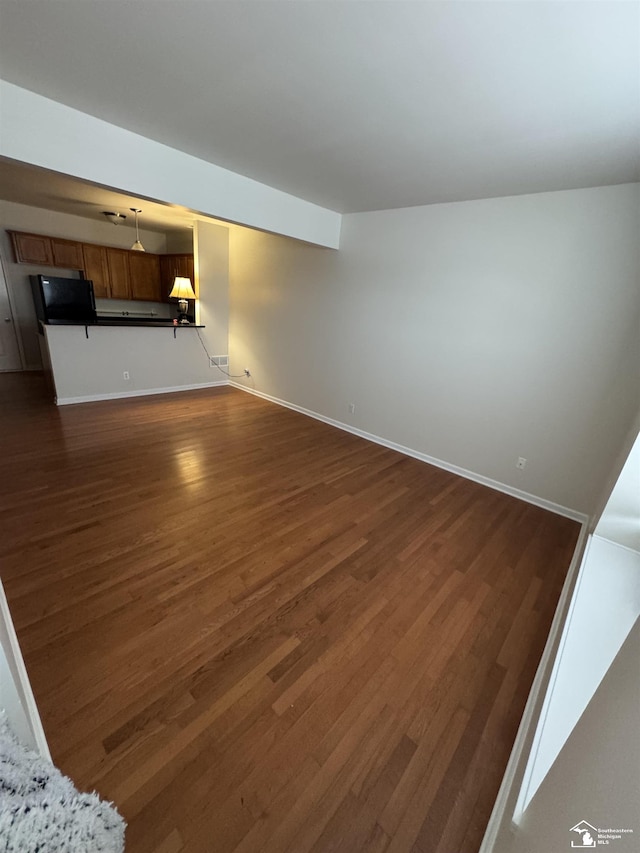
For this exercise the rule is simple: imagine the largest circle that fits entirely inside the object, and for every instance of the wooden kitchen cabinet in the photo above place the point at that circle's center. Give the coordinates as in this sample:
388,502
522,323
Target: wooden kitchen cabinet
119,279
122,274
144,275
170,267
47,251
32,248
96,269
67,253
115,273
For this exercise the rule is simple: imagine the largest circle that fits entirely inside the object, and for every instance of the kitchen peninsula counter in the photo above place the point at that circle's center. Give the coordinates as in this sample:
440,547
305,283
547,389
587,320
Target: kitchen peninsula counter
136,322
145,324
120,357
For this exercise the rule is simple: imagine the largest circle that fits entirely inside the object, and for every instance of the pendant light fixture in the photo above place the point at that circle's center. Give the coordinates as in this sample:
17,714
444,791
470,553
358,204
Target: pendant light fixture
137,246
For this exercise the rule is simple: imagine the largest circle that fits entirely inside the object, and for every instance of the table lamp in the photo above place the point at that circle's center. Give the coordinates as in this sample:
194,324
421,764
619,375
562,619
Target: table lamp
182,291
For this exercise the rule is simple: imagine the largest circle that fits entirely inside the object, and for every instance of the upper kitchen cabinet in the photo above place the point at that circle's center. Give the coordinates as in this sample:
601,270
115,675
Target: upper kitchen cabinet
144,273
119,278
115,273
96,269
32,248
170,267
67,253
46,251
122,274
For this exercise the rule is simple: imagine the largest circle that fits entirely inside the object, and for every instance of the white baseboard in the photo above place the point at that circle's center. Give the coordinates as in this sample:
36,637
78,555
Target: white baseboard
567,512
144,392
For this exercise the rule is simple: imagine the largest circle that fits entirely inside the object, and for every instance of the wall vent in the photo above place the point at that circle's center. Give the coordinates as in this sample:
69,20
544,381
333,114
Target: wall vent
220,360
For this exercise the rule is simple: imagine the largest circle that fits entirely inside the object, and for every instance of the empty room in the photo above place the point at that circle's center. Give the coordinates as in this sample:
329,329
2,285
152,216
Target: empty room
320,390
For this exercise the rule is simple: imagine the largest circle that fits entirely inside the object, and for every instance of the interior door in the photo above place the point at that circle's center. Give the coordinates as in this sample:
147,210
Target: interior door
9,352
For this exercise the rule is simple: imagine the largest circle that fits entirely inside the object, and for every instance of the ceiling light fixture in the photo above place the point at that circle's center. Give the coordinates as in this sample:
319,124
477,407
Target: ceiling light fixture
113,217
137,246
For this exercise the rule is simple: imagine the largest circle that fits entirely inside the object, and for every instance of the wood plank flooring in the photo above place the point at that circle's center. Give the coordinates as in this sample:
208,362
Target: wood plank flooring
259,634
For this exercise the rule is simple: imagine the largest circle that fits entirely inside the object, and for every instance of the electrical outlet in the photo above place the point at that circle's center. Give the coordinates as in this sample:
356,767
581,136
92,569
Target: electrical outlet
125,375
352,408
521,463
247,372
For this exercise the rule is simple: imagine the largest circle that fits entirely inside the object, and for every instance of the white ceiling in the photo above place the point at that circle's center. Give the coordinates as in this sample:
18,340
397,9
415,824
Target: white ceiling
353,104
37,187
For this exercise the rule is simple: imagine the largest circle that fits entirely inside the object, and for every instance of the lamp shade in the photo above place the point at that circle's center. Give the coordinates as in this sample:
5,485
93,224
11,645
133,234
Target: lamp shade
182,288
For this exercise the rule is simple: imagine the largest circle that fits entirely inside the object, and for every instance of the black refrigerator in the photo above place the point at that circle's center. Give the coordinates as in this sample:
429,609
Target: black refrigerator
63,300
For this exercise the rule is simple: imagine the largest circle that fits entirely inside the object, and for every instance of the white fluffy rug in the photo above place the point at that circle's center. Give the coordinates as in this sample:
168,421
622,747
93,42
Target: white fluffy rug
42,812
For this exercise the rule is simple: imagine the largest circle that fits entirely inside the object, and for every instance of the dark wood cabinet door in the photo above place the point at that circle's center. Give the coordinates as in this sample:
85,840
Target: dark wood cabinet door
166,276
170,267
32,249
144,273
118,265
188,270
67,253
96,269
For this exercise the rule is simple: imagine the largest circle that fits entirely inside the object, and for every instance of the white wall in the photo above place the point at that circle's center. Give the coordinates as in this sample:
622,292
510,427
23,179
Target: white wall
92,368
474,332
20,217
85,147
211,254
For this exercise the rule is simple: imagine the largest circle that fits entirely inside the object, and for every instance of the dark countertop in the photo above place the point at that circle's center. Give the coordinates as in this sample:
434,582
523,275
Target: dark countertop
141,323
136,322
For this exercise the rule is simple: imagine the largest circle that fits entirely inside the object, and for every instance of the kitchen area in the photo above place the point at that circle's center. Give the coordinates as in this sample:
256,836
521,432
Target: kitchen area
132,275
136,338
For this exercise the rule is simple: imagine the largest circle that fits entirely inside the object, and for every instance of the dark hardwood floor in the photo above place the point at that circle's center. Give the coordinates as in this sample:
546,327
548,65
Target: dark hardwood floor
260,634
